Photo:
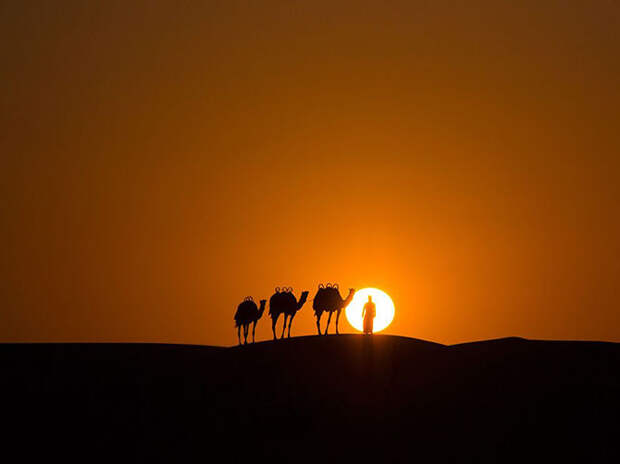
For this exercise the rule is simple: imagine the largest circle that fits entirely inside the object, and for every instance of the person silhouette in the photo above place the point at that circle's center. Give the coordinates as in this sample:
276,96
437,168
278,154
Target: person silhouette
368,314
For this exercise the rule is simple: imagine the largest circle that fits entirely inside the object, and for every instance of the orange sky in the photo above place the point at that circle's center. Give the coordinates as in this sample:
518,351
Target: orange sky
162,160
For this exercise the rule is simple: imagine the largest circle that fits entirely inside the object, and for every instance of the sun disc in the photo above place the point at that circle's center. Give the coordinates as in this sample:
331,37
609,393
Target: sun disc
383,302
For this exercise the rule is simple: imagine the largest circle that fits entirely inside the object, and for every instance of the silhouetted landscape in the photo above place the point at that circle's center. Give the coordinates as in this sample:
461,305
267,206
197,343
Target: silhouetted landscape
308,399
178,177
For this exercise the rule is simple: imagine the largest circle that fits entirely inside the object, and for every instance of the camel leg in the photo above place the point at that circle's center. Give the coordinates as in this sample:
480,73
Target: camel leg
239,333
328,319
274,319
318,322
253,332
337,319
246,327
290,321
284,326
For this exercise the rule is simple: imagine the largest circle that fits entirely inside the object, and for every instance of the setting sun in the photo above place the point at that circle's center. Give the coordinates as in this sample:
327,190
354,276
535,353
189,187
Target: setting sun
385,308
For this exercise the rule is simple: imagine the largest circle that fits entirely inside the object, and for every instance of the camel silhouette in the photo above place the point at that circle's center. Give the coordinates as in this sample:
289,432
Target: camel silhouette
328,299
248,312
284,302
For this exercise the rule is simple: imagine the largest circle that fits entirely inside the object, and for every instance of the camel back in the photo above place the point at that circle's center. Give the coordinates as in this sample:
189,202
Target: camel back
288,300
283,301
245,311
327,299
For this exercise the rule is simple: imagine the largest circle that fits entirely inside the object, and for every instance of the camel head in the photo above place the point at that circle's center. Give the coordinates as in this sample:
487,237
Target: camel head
302,299
349,297
261,309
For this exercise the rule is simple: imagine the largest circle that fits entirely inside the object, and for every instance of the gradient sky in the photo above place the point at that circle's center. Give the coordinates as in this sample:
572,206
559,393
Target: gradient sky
162,160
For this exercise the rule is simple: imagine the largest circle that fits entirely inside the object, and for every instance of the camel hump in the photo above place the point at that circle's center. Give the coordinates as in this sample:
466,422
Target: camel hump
327,298
245,311
288,298
332,298
274,298
247,304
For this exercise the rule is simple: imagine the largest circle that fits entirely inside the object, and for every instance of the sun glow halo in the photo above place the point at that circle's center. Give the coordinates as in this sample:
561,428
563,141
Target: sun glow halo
383,302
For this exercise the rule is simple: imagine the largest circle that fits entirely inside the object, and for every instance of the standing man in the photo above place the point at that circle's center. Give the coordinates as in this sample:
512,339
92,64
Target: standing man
368,314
